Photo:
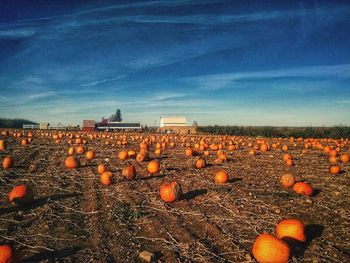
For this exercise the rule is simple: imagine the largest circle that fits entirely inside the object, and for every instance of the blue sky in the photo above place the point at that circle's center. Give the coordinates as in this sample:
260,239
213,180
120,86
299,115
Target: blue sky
216,62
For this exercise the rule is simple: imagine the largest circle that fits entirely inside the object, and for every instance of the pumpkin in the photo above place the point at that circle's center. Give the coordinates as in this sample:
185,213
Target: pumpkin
286,157
140,157
129,172
303,189
285,148
7,162
123,155
221,177
7,254
291,228
200,163
2,145
90,154
71,150
80,149
332,159
289,162
333,153
106,178
153,167
287,180
270,249
101,168
71,162
252,152
169,192
132,154
264,147
21,195
189,152
345,158
334,169
24,142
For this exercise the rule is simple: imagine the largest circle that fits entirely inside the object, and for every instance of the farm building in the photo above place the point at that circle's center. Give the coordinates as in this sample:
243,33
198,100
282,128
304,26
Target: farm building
88,125
119,126
175,124
173,121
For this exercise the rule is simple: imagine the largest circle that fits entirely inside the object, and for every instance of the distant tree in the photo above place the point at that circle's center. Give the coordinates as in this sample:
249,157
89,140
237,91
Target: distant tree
117,116
195,124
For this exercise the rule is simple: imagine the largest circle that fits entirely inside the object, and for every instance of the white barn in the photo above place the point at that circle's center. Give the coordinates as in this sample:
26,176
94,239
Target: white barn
173,121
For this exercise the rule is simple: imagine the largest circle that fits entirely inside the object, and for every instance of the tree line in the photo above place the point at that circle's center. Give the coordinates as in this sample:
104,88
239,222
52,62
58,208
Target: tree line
14,123
339,131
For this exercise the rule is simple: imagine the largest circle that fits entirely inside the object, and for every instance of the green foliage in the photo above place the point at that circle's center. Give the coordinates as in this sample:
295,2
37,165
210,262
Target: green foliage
14,123
117,116
268,131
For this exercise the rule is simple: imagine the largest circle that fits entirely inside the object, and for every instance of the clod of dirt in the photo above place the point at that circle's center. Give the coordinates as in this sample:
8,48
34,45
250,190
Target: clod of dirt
147,256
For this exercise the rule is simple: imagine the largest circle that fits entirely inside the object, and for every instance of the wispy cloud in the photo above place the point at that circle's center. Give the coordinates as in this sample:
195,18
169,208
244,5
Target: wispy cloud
226,80
98,82
42,95
17,33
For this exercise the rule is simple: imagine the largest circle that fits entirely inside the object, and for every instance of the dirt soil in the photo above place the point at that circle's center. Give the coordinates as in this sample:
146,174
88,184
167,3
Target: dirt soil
74,218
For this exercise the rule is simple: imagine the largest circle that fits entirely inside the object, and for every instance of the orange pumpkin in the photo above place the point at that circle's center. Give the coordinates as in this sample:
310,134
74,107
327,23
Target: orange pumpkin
334,169
80,149
333,153
169,192
289,162
129,172
101,168
90,154
7,162
21,195
291,228
140,157
285,148
71,150
221,177
332,159
71,162
189,152
123,155
287,180
7,254
153,167
2,145
303,189
345,158
200,163
286,157
106,178
270,249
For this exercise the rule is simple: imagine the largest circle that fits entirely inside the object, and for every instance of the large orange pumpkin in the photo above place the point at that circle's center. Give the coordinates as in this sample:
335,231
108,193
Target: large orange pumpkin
21,195
106,178
7,254
200,163
221,177
303,189
123,155
170,192
129,172
90,154
334,169
7,162
287,180
345,158
270,249
2,145
153,167
101,168
71,162
291,228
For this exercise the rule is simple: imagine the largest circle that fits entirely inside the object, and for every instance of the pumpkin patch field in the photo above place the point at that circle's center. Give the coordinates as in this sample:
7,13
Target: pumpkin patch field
141,197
